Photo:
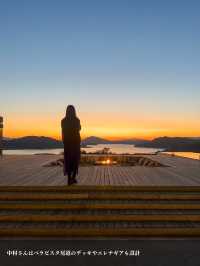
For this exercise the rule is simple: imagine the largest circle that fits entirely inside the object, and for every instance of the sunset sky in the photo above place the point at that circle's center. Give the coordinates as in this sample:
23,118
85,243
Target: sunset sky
131,68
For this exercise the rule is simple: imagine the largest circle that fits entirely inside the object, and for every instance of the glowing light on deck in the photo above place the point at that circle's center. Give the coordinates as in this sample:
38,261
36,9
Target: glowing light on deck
106,162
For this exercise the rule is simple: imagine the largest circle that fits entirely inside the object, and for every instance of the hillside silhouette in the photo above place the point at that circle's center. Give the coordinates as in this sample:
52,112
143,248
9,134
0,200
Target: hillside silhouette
167,143
41,142
173,144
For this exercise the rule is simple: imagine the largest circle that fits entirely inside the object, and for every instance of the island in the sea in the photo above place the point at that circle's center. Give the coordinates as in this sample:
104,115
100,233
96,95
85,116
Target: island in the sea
173,144
170,144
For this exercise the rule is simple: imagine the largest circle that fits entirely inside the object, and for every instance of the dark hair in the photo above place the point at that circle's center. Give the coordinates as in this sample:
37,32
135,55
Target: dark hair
70,112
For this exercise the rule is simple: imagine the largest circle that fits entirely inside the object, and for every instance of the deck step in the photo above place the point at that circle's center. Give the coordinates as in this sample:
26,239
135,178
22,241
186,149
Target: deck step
99,212
101,218
91,206
105,188
97,224
97,196
103,232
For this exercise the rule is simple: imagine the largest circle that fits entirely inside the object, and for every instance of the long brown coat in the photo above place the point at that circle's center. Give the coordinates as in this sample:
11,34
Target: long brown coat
71,140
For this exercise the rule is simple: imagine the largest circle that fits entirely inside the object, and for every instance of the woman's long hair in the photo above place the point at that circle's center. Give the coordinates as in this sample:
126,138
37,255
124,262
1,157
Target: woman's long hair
70,112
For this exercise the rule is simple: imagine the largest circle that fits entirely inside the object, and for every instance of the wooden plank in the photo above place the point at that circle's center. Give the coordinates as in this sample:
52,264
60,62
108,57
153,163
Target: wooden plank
29,170
58,196
100,218
96,196
60,206
101,232
105,188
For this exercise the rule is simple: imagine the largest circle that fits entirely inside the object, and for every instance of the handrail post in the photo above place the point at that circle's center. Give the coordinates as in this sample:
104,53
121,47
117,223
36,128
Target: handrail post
1,136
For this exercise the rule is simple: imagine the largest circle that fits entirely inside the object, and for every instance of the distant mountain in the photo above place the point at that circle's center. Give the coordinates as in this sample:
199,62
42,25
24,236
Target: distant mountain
167,143
37,142
32,142
133,141
94,141
173,144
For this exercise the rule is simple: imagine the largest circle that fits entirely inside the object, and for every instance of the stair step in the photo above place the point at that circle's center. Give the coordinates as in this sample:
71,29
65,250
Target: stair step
101,232
147,206
100,218
107,188
99,224
95,211
97,196
95,202
99,212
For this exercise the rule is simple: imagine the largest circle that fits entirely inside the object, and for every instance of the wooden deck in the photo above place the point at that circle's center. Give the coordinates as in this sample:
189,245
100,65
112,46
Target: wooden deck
108,201
29,170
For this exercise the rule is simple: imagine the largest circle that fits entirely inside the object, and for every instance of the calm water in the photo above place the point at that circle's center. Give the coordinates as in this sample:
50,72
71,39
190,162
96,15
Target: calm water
115,148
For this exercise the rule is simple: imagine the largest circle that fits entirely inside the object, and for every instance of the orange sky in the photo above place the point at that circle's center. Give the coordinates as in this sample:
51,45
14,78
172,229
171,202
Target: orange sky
111,126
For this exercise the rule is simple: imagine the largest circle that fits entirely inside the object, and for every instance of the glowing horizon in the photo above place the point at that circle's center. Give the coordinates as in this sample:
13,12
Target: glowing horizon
110,127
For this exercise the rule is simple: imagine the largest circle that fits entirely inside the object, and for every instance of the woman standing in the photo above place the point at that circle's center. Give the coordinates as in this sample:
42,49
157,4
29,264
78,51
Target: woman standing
71,139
